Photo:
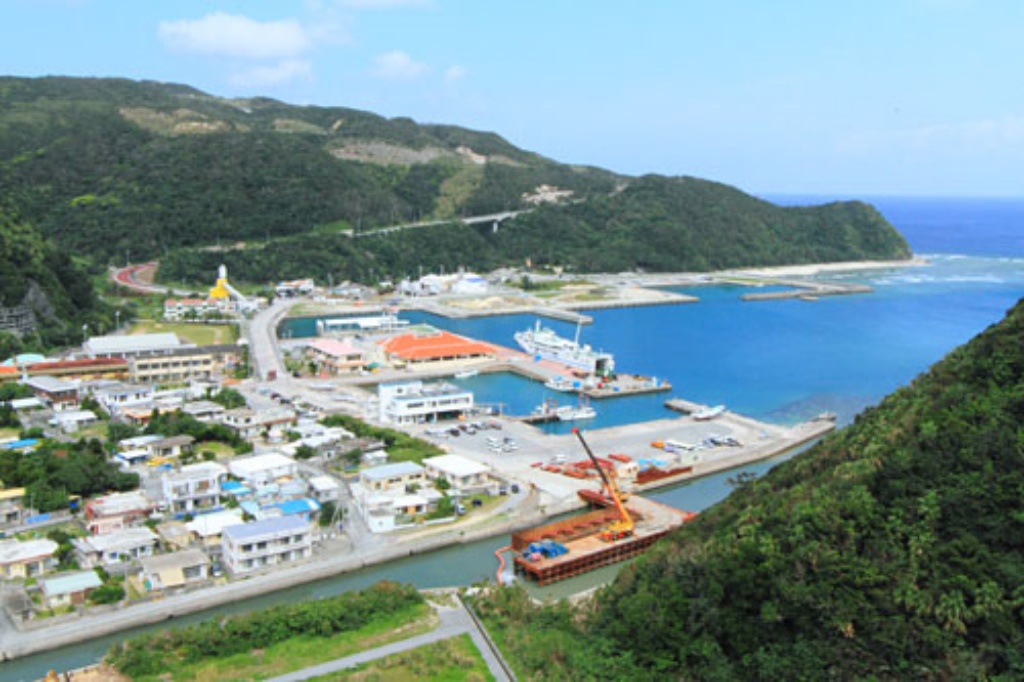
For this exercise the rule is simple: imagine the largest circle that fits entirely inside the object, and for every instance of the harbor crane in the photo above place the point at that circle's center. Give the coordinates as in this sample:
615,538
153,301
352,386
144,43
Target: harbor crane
623,527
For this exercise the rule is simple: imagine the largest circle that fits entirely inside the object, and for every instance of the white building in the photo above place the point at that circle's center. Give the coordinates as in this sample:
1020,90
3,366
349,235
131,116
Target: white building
194,487
70,421
203,410
415,402
385,512
397,476
261,470
27,558
324,488
207,528
106,550
252,546
464,475
125,346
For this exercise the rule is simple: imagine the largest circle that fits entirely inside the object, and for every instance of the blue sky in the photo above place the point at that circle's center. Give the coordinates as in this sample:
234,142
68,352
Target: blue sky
914,97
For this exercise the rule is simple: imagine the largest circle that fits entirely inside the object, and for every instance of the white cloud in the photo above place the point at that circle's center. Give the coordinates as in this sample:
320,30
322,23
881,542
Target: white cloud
453,74
236,36
398,65
269,76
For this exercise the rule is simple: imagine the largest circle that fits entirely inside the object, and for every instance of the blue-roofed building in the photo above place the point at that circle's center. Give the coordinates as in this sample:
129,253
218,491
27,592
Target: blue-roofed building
263,544
235,489
304,507
68,589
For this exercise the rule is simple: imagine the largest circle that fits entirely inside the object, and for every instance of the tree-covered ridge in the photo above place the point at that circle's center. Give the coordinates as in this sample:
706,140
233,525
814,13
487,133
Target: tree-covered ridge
120,170
895,548
108,166
38,277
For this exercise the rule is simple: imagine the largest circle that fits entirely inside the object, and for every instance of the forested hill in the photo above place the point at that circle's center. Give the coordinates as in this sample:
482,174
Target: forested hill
117,169
892,550
45,296
895,548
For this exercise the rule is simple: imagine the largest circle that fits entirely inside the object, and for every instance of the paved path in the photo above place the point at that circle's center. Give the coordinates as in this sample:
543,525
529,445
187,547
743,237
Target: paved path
455,621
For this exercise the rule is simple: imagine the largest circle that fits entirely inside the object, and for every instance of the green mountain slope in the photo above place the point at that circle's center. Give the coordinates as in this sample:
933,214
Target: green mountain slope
116,169
892,550
44,295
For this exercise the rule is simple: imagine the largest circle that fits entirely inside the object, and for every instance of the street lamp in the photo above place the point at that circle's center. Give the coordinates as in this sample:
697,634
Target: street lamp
85,330
117,320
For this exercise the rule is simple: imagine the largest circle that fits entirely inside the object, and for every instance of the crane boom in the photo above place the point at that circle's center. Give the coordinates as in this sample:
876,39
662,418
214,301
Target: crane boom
624,526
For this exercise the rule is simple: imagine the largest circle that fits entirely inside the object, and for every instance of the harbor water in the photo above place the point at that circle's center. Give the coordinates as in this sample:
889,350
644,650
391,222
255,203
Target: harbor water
781,361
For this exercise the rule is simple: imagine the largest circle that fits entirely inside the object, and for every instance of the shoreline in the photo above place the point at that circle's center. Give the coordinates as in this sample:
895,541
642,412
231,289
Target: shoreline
626,290
17,643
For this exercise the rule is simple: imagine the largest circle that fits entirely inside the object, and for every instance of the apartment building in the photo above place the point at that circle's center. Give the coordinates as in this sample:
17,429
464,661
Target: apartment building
253,546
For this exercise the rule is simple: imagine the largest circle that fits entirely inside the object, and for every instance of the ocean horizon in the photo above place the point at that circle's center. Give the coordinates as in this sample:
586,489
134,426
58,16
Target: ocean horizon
788,360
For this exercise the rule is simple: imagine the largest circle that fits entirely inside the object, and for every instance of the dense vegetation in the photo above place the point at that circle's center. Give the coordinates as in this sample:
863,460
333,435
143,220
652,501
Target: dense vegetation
401,446
54,472
157,653
37,275
120,170
892,550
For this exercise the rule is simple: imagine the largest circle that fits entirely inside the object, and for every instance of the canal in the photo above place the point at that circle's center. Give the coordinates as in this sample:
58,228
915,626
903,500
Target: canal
459,565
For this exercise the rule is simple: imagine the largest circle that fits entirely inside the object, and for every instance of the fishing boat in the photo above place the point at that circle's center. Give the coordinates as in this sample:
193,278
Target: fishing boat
550,410
544,343
709,413
560,383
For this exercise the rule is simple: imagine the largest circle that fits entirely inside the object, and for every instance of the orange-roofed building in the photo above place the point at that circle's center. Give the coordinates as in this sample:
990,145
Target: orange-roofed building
438,346
88,368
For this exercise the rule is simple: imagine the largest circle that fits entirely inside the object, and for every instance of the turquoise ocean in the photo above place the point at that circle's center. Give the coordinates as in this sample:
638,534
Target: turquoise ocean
788,360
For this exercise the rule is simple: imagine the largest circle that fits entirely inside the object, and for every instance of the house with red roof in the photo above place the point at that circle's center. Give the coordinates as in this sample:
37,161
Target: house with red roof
332,356
435,346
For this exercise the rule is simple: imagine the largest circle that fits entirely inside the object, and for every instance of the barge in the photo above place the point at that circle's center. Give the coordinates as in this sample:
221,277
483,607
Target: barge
617,530
585,548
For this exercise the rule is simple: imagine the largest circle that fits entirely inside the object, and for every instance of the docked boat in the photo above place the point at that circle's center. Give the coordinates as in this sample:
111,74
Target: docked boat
560,383
466,374
543,342
550,410
567,413
709,413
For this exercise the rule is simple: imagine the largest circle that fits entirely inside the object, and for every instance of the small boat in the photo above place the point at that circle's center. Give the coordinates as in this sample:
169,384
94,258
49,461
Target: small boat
565,413
465,374
569,413
709,413
560,383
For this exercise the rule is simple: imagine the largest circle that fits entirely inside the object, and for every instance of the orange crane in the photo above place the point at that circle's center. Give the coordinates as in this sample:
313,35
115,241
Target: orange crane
623,527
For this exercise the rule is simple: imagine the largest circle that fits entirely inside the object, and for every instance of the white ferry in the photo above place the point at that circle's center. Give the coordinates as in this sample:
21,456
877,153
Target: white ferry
544,343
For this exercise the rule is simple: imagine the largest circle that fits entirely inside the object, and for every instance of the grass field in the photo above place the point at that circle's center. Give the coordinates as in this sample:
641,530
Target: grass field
197,333
302,652
450,660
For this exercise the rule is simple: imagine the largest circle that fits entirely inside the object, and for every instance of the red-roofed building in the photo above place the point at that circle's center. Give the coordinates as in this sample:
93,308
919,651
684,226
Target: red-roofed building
83,369
438,346
333,356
